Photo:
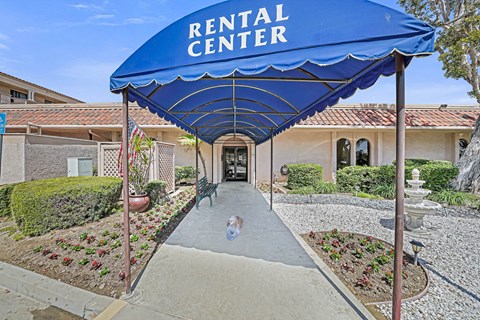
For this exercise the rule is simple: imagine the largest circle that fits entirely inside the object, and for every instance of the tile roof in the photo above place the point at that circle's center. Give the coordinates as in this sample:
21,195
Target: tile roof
111,115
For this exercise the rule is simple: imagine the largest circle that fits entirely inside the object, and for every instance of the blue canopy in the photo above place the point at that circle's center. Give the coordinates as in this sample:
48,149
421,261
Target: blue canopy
258,67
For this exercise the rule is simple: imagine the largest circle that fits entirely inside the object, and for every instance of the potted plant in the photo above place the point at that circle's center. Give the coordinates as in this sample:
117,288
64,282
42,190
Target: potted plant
139,171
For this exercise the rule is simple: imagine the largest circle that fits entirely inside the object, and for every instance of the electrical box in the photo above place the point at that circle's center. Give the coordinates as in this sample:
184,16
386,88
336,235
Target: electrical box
80,167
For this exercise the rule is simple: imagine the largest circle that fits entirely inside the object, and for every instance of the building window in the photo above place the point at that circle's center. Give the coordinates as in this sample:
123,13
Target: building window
462,146
18,94
363,153
343,153
48,101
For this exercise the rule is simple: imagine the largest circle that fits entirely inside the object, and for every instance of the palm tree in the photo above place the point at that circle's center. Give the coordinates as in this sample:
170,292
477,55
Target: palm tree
187,142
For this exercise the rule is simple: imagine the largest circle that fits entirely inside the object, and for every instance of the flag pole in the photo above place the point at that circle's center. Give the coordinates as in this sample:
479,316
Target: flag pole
126,218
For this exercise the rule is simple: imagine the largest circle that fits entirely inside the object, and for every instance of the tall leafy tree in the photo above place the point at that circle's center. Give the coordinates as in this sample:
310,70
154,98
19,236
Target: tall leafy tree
187,142
458,44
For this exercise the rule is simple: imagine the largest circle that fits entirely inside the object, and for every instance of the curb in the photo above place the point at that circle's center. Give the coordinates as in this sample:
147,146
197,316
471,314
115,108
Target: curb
43,289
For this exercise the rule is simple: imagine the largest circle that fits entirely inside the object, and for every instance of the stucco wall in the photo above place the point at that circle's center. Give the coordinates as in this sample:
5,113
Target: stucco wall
31,157
46,157
13,159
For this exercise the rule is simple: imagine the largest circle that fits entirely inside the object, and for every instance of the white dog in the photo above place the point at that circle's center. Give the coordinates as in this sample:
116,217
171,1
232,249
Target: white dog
234,224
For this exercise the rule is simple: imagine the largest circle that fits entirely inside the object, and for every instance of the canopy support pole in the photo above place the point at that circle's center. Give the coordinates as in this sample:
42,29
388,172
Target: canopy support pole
399,202
212,163
255,170
126,218
271,169
196,165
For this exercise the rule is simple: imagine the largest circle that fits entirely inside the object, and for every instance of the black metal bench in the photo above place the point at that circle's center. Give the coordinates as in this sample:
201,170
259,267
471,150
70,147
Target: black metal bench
206,189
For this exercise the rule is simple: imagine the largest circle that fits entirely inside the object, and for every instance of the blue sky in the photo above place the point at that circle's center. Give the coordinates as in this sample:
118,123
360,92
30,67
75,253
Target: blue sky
74,46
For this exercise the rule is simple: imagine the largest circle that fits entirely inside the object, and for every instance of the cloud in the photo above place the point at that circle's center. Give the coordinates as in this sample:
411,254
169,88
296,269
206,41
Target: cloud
82,6
3,37
4,47
102,16
134,21
32,29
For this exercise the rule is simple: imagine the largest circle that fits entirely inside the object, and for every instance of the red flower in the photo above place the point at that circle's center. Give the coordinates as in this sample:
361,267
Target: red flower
121,275
66,261
54,256
46,251
133,260
370,238
95,265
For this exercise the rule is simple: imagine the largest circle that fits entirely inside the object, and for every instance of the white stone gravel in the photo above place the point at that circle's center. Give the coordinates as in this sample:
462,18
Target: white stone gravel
451,256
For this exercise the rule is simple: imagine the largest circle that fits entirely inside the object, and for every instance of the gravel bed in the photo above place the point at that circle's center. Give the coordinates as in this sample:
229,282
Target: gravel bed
451,255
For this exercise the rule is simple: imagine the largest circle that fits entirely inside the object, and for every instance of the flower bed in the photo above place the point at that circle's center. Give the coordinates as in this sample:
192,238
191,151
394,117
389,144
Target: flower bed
365,265
92,256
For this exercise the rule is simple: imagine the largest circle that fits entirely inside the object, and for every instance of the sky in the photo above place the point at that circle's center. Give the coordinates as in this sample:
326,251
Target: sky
74,46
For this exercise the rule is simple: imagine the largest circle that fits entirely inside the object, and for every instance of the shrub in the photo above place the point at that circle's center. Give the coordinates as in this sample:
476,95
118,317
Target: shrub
352,179
304,175
414,162
184,172
43,205
381,180
325,187
368,196
453,198
303,190
156,191
387,191
5,194
437,175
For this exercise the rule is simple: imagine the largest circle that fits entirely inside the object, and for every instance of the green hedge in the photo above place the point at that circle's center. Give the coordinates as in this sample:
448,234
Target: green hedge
436,174
5,195
304,175
156,191
184,172
43,205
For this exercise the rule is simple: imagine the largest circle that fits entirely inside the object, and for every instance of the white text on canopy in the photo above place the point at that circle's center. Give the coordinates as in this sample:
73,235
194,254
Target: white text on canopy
262,36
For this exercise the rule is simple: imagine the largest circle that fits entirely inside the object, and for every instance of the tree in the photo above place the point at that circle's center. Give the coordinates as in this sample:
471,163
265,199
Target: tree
187,142
458,44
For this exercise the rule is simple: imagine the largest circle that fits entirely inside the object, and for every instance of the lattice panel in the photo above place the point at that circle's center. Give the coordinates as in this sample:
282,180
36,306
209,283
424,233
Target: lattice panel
162,168
165,164
110,161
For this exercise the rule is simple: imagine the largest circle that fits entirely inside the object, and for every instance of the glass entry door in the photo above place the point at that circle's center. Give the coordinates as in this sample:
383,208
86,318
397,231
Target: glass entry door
235,163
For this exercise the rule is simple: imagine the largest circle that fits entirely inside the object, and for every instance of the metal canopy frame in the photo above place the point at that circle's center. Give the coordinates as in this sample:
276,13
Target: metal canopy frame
212,118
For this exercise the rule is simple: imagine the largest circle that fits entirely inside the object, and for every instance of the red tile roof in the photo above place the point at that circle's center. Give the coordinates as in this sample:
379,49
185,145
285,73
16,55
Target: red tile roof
373,117
111,114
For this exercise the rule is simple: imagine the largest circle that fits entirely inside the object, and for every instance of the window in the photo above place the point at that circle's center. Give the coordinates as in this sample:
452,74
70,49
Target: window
462,145
18,94
363,152
343,153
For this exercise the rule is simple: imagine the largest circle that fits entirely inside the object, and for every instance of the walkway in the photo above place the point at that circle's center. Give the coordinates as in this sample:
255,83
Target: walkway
264,274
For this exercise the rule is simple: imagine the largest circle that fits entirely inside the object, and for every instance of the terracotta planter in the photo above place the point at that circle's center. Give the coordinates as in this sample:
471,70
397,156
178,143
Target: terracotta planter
138,203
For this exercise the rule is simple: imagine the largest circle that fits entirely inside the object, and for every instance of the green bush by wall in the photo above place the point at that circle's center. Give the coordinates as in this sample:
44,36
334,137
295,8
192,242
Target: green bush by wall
438,175
184,172
43,205
156,191
304,175
5,194
379,180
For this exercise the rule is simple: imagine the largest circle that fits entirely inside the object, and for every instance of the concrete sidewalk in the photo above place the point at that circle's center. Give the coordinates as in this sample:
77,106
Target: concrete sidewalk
266,273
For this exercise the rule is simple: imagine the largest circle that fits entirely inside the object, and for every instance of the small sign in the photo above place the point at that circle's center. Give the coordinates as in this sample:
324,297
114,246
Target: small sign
3,122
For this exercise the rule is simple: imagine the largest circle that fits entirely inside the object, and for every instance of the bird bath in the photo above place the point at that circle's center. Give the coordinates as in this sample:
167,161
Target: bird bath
416,206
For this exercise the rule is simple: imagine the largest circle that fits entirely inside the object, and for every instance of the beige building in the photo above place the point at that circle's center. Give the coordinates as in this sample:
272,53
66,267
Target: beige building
17,91
340,136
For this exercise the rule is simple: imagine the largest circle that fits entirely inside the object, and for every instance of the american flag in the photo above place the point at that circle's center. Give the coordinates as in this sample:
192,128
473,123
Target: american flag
133,130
